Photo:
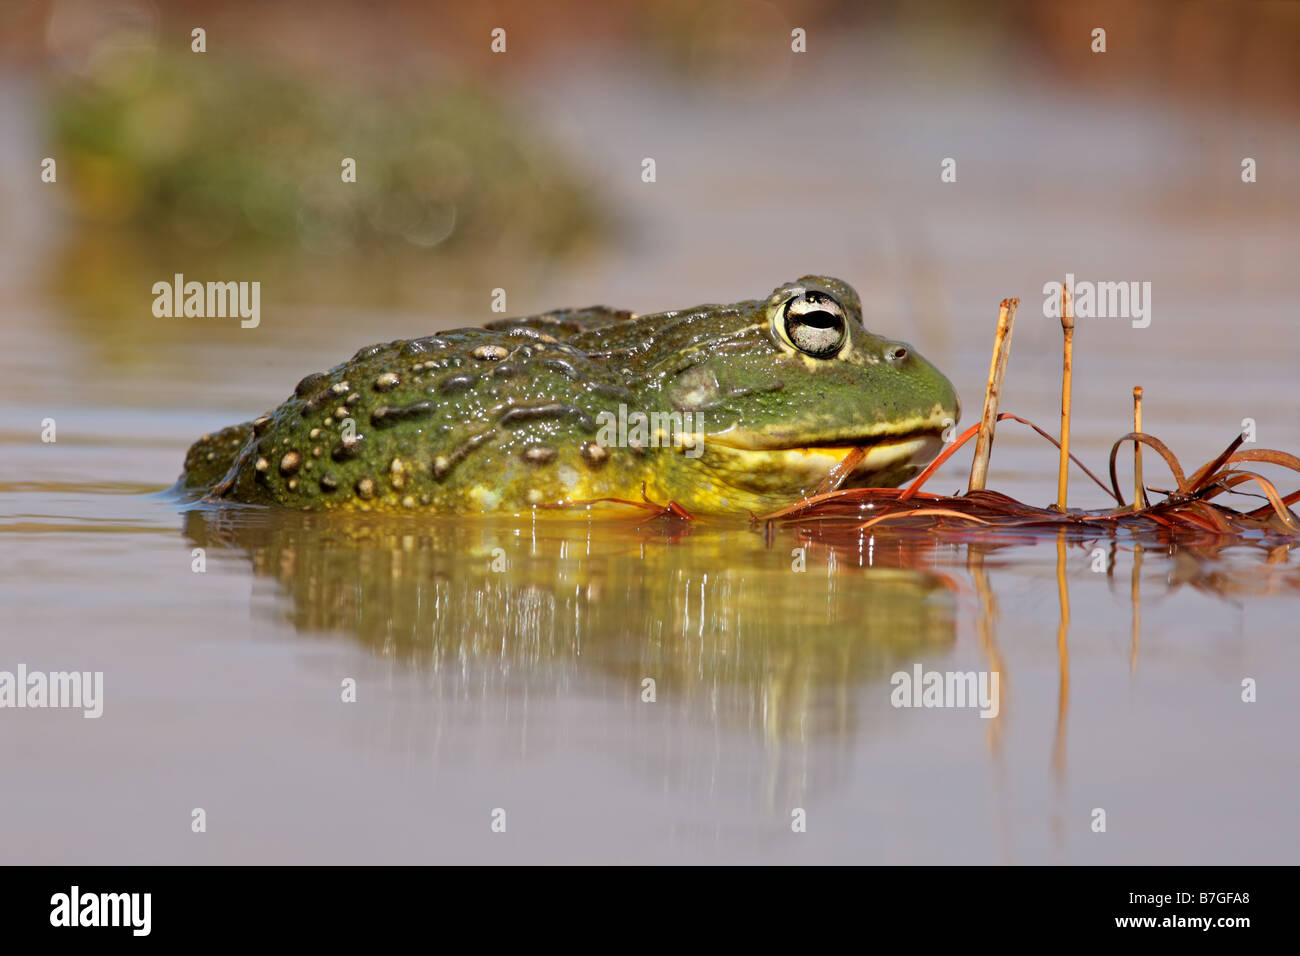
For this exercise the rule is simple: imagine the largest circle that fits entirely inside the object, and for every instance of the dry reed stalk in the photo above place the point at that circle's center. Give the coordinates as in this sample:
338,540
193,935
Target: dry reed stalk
979,467
1067,370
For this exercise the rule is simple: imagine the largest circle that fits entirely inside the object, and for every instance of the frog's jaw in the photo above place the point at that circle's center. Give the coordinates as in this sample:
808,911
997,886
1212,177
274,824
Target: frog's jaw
767,467
790,473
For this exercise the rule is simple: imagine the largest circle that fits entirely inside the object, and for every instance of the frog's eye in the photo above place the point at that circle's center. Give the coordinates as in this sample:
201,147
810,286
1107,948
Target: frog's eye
814,323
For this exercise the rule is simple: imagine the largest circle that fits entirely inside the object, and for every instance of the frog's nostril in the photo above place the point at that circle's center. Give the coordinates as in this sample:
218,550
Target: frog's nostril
896,353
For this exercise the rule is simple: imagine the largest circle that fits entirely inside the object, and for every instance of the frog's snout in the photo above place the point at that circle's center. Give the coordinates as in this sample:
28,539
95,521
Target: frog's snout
949,400
937,398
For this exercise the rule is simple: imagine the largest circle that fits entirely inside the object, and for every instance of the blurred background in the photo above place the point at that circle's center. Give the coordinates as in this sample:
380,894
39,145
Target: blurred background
522,170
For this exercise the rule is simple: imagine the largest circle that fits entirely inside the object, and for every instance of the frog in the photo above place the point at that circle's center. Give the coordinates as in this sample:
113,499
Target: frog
711,410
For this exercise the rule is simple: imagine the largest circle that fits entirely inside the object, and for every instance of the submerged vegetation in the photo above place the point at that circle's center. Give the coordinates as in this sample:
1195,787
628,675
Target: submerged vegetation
1188,508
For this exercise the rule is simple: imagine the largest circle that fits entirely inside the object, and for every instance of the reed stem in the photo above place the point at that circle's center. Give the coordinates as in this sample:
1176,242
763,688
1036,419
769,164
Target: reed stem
1067,326
1139,492
979,467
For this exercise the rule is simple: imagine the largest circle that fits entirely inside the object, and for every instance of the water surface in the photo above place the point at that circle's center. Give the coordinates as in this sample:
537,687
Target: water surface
500,664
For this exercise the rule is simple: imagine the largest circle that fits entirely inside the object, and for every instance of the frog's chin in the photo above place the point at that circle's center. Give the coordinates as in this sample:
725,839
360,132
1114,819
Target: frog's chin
886,463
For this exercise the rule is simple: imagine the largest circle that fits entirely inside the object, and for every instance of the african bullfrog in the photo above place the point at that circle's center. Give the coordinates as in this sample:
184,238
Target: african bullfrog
719,408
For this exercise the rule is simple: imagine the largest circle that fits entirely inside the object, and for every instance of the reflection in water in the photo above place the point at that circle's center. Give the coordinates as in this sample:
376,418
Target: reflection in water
1135,598
1063,656
740,645
985,627
1063,690
733,637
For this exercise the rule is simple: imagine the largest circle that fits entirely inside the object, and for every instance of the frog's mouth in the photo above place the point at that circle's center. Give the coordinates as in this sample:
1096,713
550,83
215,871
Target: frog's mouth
887,461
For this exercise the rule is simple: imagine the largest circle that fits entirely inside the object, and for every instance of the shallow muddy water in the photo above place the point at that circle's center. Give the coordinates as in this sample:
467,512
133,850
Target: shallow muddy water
502,664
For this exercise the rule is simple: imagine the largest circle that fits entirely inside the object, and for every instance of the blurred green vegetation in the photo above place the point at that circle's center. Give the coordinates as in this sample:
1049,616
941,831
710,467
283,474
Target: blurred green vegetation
207,160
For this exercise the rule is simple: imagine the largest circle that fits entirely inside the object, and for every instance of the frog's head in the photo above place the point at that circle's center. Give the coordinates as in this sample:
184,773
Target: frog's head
782,389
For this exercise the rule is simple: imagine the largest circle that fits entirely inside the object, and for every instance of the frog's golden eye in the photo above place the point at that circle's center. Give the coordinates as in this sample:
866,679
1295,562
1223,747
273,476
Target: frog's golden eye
814,323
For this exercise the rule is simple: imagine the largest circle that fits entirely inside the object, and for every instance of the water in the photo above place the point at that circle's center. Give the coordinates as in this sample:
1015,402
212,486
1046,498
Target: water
520,686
